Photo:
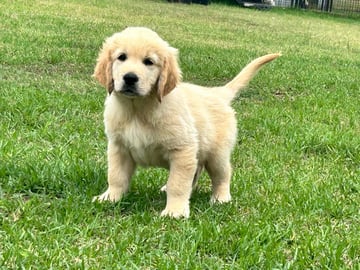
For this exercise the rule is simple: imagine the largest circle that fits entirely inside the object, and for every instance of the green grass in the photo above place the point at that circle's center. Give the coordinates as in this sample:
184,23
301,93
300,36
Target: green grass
296,180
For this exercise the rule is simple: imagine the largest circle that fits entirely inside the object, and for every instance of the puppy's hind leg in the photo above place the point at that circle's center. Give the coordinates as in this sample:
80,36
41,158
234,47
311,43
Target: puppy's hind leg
219,169
197,176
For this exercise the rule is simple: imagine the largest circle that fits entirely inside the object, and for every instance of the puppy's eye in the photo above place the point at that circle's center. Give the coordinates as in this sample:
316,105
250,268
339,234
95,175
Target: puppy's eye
148,62
122,57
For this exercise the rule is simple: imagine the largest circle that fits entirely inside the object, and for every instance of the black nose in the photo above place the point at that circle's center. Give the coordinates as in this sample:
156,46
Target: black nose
130,78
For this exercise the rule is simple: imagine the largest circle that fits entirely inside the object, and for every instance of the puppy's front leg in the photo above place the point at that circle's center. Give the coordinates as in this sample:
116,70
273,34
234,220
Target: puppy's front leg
183,164
120,169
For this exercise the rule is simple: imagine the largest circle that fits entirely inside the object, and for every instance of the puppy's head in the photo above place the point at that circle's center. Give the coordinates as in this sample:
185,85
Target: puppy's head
137,62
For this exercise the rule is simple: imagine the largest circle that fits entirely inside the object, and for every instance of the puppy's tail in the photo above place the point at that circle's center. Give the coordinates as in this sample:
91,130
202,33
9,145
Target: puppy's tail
248,72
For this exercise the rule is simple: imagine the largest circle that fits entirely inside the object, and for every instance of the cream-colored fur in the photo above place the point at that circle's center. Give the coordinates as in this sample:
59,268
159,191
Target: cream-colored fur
152,119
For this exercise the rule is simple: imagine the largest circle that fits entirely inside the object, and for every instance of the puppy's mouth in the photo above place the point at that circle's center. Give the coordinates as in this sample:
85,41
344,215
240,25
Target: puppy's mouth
130,91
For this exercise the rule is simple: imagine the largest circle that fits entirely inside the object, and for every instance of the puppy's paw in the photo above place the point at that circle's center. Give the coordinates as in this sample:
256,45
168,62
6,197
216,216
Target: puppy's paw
109,195
176,212
163,188
220,198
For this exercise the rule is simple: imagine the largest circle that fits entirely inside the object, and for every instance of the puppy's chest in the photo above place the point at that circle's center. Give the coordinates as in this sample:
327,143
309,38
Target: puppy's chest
143,142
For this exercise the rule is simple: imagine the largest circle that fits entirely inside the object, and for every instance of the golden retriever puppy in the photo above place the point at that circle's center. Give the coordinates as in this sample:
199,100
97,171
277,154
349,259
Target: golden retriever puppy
152,119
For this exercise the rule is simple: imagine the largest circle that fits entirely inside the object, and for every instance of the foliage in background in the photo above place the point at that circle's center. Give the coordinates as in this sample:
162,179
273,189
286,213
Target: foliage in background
227,2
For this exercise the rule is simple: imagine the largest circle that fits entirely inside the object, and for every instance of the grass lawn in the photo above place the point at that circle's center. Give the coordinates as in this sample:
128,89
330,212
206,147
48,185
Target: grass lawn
296,180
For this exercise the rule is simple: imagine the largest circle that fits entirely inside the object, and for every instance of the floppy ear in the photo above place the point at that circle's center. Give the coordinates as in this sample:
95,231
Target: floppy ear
170,74
103,69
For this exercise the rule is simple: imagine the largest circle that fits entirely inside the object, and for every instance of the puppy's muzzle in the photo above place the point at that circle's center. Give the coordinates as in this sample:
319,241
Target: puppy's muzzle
130,84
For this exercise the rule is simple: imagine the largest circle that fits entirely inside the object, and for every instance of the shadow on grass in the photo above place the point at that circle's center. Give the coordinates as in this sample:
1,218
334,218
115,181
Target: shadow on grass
151,201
